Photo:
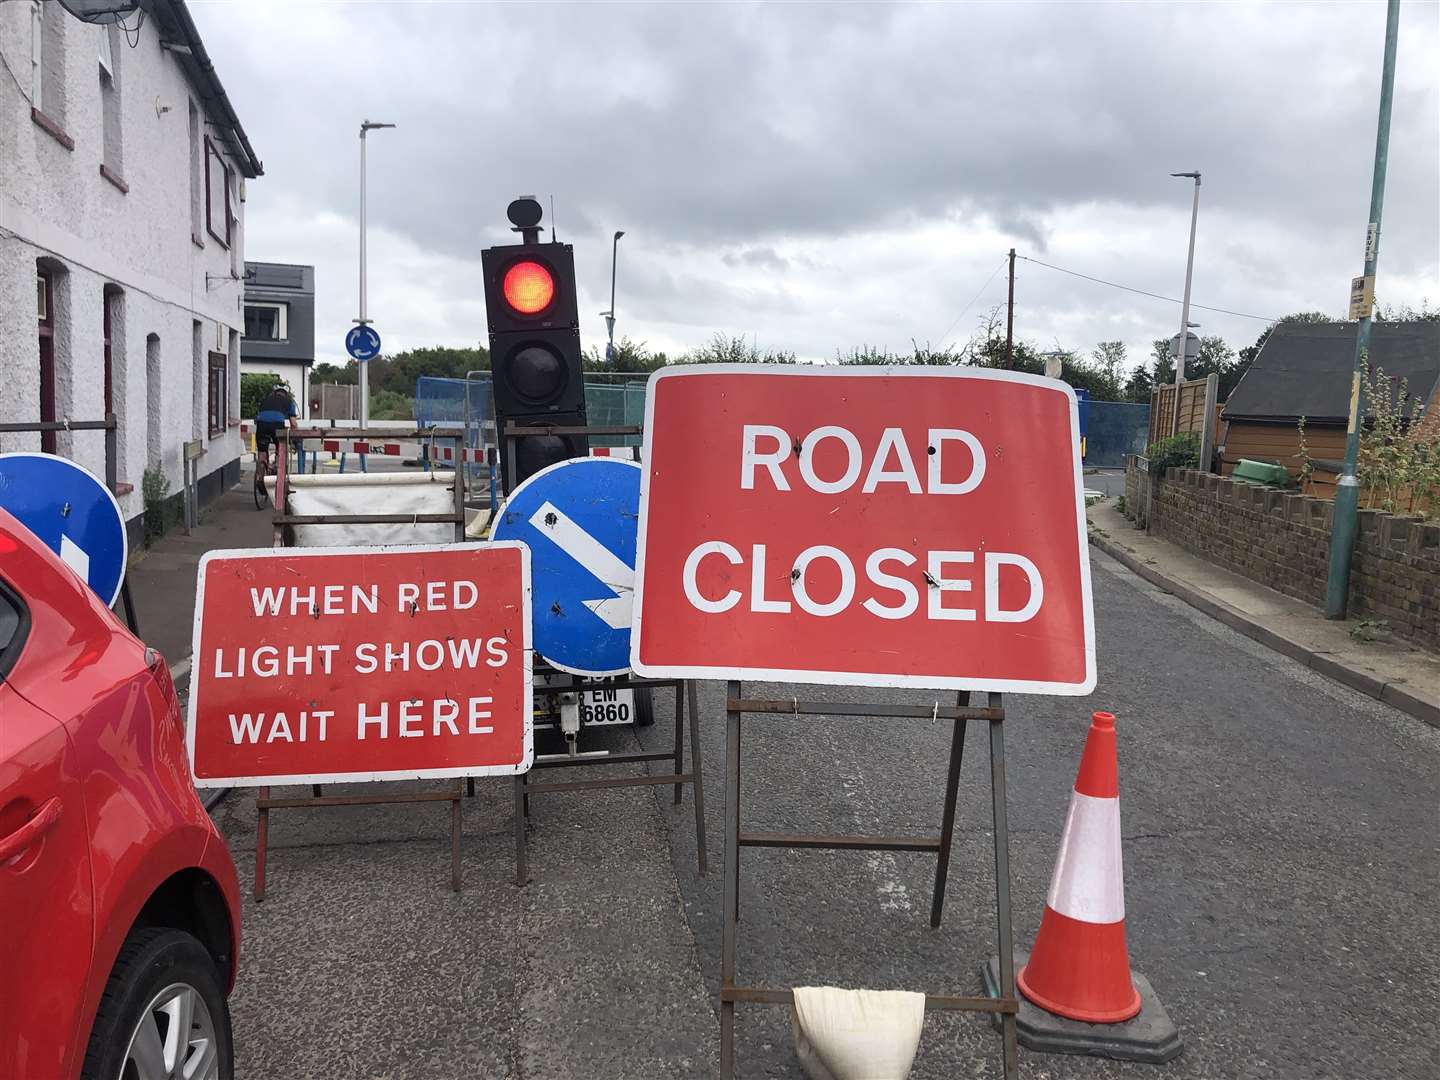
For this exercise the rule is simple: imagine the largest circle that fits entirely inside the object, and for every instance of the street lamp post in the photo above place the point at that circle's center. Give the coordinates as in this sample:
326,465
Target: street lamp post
365,127
610,315
1185,304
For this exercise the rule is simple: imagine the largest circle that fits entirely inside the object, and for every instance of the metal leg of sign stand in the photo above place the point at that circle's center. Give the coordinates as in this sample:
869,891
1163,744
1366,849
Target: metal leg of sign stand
684,713
283,518
994,713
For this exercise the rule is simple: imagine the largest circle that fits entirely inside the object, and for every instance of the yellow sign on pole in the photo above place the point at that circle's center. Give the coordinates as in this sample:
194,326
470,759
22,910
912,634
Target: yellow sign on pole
1362,296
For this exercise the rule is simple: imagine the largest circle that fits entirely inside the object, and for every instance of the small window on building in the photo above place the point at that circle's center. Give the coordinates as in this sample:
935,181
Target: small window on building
196,186
46,311
47,60
110,103
217,194
219,382
267,322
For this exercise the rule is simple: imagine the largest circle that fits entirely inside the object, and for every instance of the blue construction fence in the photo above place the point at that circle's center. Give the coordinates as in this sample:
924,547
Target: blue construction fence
1112,429
442,402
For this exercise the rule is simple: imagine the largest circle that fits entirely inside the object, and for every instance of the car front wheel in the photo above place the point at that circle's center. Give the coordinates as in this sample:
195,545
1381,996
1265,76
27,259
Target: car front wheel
163,1013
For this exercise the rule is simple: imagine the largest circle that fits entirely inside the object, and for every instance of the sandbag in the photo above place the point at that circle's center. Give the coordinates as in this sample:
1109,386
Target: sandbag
856,1034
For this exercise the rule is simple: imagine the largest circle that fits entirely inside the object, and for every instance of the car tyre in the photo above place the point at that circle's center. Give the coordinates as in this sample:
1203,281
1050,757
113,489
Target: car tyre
644,706
162,977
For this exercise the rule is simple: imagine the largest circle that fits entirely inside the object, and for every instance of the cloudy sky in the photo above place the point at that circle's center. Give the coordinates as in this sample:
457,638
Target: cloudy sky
821,176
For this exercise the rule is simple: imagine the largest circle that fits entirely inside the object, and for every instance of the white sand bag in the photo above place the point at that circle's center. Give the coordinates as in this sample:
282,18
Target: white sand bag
856,1034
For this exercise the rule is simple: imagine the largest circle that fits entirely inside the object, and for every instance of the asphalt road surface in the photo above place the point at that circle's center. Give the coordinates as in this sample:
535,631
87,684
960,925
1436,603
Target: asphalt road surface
1281,857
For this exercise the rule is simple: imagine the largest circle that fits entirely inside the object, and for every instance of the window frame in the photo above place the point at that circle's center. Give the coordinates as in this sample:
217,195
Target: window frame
282,320
107,300
216,411
213,151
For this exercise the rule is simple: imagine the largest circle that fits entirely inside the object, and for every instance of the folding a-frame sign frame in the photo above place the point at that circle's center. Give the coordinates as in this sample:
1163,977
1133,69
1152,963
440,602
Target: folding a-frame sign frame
111,428
264,803
993,713
685,706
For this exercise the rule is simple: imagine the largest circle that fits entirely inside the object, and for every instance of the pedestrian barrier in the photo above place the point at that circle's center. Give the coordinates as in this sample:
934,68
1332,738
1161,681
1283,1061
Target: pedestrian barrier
1089,1001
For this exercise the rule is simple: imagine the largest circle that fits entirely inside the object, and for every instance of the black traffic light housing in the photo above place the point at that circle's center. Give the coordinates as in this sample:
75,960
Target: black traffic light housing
535,360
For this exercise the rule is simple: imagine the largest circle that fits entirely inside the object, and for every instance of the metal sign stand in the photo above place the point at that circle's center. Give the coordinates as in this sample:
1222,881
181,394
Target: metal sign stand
264,803
112,478
962,713
684,708
524,787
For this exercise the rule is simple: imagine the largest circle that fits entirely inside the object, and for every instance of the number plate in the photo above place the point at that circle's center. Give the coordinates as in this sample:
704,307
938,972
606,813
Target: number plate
598,707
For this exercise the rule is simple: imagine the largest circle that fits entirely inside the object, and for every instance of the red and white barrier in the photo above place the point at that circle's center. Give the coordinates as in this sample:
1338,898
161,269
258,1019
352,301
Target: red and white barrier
1080,967
629,453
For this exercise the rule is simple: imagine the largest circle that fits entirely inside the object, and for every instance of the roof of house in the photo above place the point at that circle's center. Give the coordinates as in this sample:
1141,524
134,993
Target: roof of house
1304,369
179,31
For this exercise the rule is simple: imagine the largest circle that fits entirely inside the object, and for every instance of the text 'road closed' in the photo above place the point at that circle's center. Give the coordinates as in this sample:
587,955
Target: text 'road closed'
889,527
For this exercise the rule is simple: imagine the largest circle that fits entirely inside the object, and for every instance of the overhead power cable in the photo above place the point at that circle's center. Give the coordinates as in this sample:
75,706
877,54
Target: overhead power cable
946,336
1142,292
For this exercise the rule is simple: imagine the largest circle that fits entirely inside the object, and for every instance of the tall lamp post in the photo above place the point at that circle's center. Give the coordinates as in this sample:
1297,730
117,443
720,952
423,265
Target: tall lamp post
610,315
366,126
1185,304
1347,490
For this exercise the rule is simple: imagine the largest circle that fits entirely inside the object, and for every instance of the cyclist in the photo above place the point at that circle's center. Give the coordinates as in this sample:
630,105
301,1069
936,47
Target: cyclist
275,412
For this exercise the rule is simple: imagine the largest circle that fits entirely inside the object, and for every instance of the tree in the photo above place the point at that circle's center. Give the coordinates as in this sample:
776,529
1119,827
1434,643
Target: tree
628,356
923,355
1215,358
1110,357
344,375
254,387
724,349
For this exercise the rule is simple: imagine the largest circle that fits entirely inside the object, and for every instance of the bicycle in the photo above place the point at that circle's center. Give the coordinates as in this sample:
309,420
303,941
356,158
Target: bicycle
262,493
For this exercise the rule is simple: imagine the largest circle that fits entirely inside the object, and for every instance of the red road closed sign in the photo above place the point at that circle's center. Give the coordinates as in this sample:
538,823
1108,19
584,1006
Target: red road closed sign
325,665
885,527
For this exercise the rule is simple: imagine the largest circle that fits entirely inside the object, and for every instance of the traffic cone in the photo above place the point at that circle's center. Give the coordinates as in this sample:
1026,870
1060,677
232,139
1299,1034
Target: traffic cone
1080,968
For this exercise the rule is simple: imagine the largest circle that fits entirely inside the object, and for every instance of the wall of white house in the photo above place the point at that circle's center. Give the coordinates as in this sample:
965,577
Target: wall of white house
179,288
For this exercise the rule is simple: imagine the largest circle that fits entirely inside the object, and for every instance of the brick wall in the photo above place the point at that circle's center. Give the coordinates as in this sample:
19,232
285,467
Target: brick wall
1282,540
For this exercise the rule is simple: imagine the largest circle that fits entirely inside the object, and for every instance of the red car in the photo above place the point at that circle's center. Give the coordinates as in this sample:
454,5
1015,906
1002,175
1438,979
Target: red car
119,906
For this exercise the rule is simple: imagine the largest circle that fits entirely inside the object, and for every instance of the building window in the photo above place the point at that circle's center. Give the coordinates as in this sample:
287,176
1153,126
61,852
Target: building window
110,102
219,384
217,194
196,186
106,299
267,322
45,310
47,61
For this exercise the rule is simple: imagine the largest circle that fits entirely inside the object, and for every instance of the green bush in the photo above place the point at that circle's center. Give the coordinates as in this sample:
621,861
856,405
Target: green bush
391,405
1176,452
154,487
254,386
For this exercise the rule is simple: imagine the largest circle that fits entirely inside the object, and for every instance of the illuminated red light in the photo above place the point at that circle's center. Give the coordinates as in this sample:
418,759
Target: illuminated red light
529,288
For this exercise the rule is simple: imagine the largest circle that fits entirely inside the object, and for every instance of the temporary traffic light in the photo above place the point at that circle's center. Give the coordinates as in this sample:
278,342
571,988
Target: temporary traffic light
530,304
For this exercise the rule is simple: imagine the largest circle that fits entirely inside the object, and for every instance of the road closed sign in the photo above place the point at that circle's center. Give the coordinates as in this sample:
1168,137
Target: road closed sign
881,526
327,665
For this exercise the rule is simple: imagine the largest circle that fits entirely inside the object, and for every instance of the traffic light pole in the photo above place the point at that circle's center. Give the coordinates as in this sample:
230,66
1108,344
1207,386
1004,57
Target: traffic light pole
1347,490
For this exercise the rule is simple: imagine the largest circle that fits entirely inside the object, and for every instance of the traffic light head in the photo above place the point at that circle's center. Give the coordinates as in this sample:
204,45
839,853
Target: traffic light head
535,362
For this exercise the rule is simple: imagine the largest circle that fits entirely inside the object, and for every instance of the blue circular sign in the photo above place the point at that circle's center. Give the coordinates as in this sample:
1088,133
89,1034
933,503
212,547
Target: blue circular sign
363,342
73,514
580,519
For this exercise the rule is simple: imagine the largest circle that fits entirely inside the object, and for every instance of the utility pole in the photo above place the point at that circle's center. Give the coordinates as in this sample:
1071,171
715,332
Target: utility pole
1185,304
1347,491
1010,317
365,127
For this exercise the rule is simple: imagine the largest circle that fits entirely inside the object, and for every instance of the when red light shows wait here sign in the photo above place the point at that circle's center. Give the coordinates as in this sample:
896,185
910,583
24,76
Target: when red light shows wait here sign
892,527
361,664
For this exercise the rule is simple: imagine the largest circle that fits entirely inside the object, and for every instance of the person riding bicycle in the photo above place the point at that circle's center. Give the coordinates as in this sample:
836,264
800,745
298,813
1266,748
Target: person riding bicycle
275,412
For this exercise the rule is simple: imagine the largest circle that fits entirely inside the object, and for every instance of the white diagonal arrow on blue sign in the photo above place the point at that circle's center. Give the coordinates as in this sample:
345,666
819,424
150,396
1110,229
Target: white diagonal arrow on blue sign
595,557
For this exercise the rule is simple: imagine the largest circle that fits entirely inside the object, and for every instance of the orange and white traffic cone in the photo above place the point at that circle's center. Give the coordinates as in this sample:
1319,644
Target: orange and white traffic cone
1080,968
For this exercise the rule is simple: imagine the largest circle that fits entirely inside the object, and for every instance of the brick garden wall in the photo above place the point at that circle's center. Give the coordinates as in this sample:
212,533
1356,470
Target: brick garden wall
1282,540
